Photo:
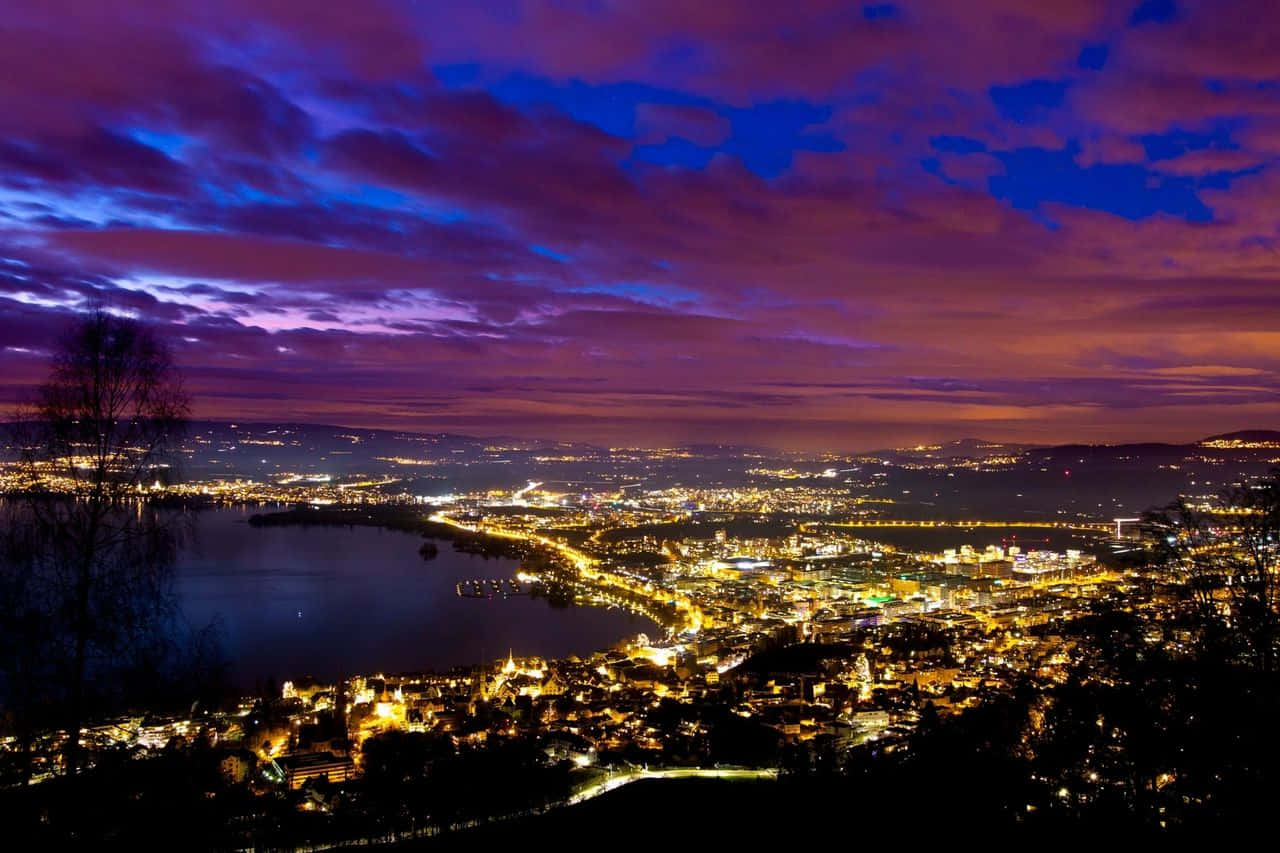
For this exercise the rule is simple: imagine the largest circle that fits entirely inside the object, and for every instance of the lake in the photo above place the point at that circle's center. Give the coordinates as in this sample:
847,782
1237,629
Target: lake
329,602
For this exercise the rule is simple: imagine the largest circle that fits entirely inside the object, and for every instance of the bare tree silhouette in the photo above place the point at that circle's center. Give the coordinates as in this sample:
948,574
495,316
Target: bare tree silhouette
87,559
1225,557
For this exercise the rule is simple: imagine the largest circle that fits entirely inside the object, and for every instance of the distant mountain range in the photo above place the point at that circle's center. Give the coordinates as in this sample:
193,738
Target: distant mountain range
1224,443
977,448
961,448
964,478
1247,436
226,439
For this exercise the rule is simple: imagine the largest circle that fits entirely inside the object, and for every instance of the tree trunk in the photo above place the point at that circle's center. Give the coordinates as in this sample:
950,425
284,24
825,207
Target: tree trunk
76,720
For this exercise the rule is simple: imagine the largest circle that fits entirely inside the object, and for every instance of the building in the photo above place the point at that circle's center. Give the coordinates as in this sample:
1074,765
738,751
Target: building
295,770
236,766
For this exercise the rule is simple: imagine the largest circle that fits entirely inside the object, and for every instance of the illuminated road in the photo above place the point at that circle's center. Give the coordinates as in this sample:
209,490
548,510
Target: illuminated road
368,484
612,783
617,780
589,569
520,493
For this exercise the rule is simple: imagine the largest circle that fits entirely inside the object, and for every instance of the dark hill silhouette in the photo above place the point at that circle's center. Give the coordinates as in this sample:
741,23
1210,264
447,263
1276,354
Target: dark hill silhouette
1250,435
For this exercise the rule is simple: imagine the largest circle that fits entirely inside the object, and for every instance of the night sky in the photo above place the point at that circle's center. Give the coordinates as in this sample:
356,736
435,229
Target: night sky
802,224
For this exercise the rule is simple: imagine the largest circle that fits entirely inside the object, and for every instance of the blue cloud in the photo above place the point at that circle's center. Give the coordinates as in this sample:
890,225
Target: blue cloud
957,144
1174,143
764,136
1034,176
458,75
653,294
676,152
549,253
1028,101
169,143
879,11
610,107
1093,57
1154,12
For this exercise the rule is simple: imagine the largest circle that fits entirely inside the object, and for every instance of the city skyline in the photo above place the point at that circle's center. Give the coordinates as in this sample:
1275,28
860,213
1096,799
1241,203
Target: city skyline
819,226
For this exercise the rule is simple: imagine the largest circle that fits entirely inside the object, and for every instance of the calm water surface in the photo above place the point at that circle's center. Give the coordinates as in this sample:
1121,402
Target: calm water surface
327,602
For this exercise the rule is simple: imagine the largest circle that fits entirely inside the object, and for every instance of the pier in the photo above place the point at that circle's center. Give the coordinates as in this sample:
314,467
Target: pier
490,588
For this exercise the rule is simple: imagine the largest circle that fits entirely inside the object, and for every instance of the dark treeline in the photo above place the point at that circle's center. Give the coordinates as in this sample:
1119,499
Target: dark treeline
402,518
1136,739
180,800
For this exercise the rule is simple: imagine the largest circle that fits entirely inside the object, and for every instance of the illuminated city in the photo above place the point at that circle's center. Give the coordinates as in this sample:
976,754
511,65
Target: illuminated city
699,425
895,603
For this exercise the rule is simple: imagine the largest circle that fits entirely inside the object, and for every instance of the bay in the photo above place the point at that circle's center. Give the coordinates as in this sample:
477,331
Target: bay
331,602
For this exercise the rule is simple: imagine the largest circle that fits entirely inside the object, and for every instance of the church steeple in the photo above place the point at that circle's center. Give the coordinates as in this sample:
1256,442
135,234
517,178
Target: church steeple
479,686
